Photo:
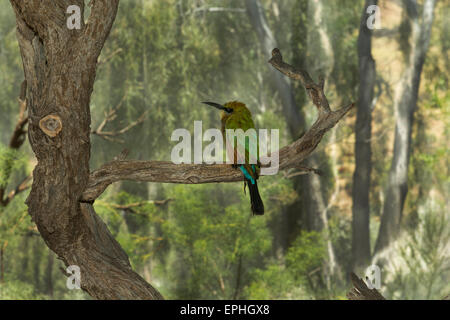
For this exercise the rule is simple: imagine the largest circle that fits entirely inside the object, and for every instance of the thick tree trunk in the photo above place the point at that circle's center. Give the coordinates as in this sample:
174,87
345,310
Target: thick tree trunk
60,67
405,106
363,152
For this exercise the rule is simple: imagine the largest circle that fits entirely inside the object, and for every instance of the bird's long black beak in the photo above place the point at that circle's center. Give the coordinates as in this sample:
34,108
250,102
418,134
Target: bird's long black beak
215,105
218,106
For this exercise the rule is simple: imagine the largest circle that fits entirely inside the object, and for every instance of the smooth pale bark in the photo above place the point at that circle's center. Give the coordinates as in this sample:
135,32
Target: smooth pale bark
284,225
363,153
325,64
267,41
405,106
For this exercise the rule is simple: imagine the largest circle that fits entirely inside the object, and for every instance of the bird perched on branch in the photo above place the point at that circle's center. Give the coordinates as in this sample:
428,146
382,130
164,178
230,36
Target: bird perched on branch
235,115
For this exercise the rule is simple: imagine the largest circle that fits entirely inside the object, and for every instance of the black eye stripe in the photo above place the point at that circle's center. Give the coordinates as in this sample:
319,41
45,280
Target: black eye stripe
228,110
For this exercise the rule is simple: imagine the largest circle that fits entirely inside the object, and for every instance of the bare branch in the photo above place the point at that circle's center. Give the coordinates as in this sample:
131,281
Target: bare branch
131,206
16,141
219,9
19,134
315,90
388,33
301,171
109,57
24,185
110,116
167,172
360,291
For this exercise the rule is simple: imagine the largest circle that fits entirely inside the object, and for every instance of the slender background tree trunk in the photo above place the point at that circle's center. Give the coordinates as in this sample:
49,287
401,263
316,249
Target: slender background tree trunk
285,225
313,203
405,106
363,152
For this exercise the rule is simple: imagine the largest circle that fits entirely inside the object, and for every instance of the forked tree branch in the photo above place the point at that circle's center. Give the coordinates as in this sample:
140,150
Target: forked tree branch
167,172
110,116
103,14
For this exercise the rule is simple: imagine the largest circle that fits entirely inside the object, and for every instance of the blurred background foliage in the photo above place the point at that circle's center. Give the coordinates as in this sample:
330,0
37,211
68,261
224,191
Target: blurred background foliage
200,242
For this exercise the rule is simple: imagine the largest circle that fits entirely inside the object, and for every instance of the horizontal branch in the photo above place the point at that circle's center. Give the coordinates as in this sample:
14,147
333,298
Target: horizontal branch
220,9
167,172
288,174
389,33
130,206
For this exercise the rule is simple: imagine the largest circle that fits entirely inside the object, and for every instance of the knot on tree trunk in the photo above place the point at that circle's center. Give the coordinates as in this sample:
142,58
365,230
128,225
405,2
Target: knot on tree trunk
51,125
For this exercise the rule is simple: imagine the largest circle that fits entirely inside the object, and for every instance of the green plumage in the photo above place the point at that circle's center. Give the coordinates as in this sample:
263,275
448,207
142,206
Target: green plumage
235,115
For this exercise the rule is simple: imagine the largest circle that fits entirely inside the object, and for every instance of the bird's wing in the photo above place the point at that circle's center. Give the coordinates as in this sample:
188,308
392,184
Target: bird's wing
249,144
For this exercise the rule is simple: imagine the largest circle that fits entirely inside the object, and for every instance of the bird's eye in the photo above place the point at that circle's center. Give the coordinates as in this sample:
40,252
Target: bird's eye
228,110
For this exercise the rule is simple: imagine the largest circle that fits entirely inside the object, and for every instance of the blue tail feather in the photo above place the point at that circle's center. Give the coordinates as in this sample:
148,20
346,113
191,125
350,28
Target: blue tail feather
246,174
255,199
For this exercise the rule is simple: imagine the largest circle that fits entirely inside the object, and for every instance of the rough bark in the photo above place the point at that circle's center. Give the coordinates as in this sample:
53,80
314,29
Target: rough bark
360,291
60,67
405,105
363,152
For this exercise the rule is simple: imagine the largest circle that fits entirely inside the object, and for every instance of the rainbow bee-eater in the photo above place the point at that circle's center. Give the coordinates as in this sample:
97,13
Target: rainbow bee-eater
235,115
